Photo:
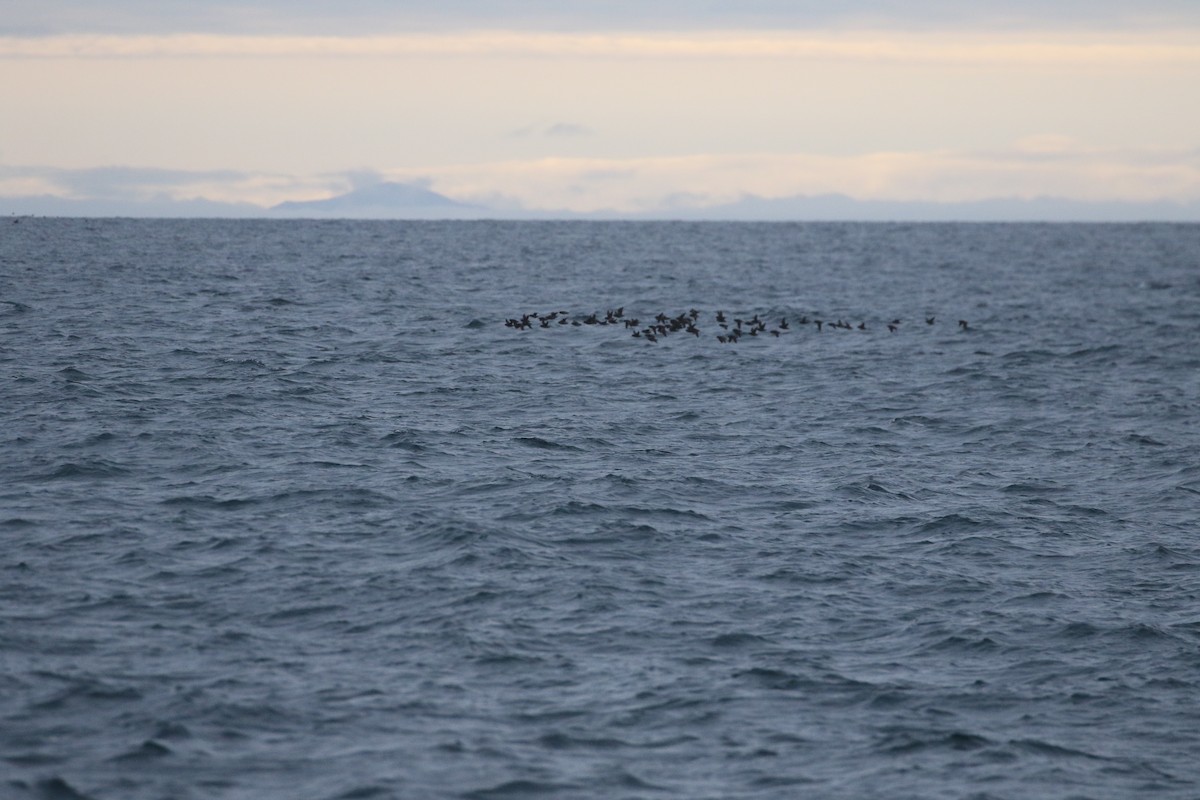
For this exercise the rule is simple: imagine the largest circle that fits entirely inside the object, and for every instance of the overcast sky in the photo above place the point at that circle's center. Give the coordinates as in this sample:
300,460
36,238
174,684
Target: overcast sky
601,105
353,17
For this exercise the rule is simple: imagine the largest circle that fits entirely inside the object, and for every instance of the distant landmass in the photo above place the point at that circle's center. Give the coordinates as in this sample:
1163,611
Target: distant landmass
389,200
51,206
382,201
836,207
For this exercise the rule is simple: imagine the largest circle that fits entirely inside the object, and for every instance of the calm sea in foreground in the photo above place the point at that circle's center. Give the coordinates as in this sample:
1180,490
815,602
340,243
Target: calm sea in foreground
287,511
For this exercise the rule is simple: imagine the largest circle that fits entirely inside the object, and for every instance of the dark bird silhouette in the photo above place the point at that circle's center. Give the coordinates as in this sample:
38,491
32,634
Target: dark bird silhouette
664,324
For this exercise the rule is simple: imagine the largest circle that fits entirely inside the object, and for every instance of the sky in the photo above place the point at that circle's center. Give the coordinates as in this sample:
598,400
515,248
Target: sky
626,105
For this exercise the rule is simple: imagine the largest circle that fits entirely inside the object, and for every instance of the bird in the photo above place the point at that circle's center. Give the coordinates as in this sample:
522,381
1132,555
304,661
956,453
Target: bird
686,321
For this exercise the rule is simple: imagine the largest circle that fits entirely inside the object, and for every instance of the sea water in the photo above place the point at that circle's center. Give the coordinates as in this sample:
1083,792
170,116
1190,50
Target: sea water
288,511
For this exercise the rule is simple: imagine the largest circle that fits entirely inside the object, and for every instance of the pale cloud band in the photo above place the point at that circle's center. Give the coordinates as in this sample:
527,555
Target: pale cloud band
1057,167
1027,47
646,184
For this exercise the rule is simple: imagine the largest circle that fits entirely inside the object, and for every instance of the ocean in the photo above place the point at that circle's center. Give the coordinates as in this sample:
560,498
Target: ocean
321,510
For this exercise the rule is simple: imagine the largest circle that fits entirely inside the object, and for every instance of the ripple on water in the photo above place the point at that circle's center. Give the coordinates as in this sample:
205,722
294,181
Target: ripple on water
287,504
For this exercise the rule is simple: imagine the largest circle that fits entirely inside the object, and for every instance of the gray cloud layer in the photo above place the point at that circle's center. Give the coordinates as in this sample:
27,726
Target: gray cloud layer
132,182
21,18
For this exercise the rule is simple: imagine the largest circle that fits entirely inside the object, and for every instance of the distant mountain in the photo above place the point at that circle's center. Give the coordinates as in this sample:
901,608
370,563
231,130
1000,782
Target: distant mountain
836,207
405,201
382,201
51,206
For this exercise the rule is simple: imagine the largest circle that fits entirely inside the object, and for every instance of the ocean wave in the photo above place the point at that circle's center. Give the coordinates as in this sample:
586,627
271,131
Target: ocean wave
270,524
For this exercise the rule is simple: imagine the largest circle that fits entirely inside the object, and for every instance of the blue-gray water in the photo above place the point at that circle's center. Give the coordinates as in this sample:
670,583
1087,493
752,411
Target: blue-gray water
288,512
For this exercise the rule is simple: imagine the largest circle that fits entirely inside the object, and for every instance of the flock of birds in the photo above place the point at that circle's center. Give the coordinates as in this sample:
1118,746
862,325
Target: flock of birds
662,324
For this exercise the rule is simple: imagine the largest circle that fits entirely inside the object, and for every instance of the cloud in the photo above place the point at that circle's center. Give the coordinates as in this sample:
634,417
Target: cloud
363,178
567,130
644,184
608,174
1041,165
140,184
1111,48
129,183
559,130
366,16
24,182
